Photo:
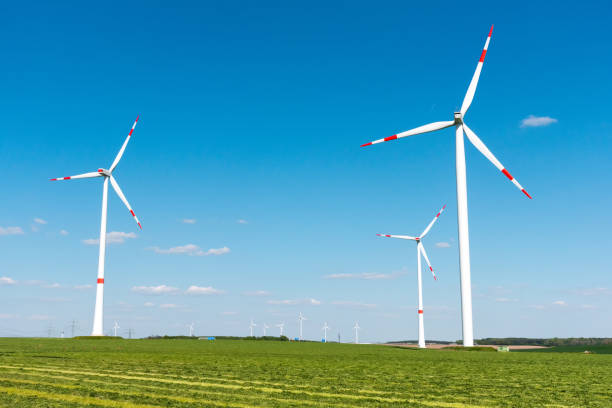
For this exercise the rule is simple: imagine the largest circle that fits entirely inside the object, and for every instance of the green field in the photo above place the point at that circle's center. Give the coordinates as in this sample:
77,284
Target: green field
240,373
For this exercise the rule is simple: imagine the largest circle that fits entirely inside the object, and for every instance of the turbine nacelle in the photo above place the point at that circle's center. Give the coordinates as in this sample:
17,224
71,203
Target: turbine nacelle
458,118
104,172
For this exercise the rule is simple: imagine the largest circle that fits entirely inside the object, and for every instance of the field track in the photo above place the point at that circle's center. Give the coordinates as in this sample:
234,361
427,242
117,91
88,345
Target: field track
189,373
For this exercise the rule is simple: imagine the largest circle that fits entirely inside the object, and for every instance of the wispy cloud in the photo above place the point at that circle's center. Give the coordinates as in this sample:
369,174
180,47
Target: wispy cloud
149,304
229,313
309,301
40,317
353,304
537,121
7,316
83,287
588,307
113,237
593,291
53,286
505,300
168,306
155,290
5,280
257,293
11,231
191,250
63,232
559,303
366,275
40,221
203,290
241,221
189,220
443,244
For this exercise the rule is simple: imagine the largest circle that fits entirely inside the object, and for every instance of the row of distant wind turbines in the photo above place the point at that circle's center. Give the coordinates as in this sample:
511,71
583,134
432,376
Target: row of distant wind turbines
301,319
462,209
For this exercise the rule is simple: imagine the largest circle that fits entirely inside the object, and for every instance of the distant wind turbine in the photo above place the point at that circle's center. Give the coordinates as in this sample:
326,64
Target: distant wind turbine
108,176
265,326
281,326
301,318
357,328
115,327
325,328
251,327
462,207
191,330
420,251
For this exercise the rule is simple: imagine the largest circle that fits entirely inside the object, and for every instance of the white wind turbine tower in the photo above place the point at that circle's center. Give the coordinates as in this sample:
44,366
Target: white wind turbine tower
108,176
301,318
462,208
265,326
357,328
251,327
325,328
191,326
281,326
115,327
420,251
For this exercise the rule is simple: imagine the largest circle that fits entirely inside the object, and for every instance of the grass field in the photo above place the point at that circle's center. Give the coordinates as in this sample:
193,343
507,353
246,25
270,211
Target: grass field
238,373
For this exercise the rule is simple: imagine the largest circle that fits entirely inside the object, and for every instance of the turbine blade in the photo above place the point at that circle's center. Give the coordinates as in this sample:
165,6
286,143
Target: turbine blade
120,154
125,201
397,236
487,153
421,129
422,250
78,176
469,95
432,222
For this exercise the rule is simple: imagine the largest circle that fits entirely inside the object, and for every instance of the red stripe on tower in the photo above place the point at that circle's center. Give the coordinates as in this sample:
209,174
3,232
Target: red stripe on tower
420,311
386,139
101,280
507,174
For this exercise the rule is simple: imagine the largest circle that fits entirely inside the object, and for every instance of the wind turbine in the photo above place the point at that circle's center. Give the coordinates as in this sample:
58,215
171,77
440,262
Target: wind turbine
108,176
420,251
325,328
191,330
301,318
265,326
251,327
356,332
462,208
281,326
116,326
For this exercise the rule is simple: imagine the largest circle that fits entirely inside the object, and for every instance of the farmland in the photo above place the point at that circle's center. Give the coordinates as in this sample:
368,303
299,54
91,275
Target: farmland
239,373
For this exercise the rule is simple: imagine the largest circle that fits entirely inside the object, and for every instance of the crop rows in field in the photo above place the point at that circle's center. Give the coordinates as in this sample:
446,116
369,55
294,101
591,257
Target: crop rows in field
247,374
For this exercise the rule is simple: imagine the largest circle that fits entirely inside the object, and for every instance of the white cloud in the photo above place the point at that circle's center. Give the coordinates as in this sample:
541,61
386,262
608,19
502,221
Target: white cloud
53,286
309,301
257,293
189,221
366,275
191,250
588,307
149,304
538,307
83,287
594,292
7,316
352,304
168,306
505,300
5,280
11,231
229,313
537,121
559,303
242,221
154,290
40,221
203,290
443,245
63,232
113,237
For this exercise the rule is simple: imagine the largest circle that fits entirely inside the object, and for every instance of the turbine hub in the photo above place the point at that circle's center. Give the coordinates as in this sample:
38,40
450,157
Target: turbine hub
104,171
458,118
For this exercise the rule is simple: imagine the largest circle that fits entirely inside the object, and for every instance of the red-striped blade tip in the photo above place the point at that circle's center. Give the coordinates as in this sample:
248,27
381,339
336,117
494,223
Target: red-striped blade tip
53,179
491,30
140,225
527,194
444,206
366,144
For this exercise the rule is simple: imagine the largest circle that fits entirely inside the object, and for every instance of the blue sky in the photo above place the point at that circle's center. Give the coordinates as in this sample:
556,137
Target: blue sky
251,121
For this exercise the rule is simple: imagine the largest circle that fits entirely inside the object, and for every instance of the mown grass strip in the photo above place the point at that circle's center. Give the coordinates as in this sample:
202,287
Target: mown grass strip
261,389
26,392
